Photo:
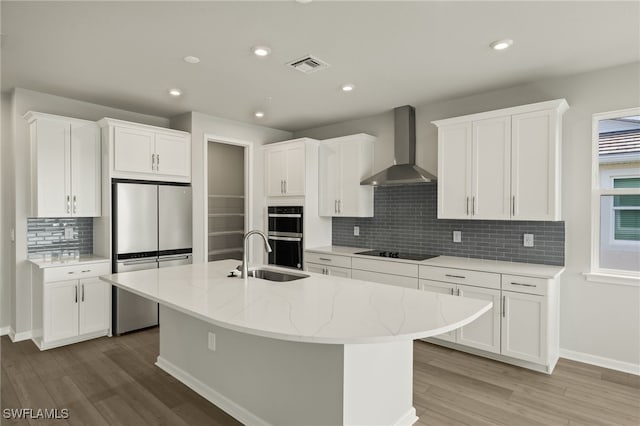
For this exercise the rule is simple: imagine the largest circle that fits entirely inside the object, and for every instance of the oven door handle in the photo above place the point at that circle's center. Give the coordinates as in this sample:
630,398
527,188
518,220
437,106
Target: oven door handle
287,215
285,239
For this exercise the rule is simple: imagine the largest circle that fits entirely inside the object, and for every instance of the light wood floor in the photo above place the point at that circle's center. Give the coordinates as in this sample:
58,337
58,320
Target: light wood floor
113,381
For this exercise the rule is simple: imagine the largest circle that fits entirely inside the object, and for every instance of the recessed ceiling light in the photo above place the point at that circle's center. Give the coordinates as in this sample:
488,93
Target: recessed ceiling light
259,114
261,50
501,44
303,1
348,87
175,92
191,59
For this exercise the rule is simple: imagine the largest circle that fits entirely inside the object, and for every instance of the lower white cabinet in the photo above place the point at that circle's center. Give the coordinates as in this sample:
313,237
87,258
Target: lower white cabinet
379,277
524,326
334,271
70,310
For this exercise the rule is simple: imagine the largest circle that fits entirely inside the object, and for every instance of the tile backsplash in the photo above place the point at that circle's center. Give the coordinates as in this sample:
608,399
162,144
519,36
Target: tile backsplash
46,236
405,219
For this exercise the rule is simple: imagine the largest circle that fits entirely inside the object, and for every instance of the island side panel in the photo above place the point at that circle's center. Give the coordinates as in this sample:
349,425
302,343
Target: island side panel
255,379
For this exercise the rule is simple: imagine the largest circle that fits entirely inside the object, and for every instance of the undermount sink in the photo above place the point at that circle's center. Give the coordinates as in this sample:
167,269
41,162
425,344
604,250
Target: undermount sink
269,275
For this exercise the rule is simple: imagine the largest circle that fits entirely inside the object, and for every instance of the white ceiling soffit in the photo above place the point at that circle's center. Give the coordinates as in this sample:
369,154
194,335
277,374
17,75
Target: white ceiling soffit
129,54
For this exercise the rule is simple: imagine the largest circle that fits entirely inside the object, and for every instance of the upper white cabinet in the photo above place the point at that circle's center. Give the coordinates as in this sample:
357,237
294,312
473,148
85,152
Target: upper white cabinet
344,162
65,166
501,165
138,151
287,172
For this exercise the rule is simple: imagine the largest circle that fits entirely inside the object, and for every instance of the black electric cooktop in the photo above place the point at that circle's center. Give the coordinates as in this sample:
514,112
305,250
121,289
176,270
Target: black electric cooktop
397,254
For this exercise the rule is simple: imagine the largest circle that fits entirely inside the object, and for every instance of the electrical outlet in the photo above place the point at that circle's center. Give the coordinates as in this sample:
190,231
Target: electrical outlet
68,232
528,240
211,342
457,236
356,231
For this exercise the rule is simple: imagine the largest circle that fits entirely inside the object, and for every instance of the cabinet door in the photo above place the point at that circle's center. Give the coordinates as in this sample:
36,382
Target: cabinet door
524,325
355,200
442,288
454,171
51,144
491,188
133,150
274,171
60,310
316,268
336,271
85,170
534,174
390,279
484,332
295,169
94,305
173,155
329,178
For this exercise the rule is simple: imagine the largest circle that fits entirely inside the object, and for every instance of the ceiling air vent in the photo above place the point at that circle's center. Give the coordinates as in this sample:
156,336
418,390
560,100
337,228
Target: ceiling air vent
308,64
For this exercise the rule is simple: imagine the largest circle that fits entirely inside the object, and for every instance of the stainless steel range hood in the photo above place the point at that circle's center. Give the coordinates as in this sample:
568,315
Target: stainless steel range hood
404,171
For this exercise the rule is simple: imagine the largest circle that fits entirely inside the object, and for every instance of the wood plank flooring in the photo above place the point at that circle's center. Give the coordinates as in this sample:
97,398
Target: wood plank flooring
113,381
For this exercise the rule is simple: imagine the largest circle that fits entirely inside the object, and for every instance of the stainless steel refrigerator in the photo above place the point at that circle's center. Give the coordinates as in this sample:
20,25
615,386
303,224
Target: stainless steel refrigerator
151,229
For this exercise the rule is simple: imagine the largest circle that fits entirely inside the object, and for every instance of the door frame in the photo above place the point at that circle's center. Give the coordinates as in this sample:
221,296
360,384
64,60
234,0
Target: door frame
248,187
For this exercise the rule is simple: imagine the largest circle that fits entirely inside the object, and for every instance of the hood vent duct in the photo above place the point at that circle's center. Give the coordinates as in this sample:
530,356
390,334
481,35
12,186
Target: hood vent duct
404,171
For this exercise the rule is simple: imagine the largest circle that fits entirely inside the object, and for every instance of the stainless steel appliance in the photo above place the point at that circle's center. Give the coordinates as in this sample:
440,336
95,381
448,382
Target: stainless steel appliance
397,254
151,229
286,236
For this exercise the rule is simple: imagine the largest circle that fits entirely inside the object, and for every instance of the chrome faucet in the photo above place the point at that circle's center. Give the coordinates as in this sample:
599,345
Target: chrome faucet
267,247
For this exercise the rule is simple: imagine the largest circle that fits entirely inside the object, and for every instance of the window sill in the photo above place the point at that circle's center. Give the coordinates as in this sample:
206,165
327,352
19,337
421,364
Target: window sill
613,277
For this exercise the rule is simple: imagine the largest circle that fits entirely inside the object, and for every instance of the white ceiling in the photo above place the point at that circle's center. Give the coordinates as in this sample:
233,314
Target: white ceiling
128,54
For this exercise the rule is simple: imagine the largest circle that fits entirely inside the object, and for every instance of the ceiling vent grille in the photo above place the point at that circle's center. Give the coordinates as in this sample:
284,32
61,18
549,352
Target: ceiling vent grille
308,64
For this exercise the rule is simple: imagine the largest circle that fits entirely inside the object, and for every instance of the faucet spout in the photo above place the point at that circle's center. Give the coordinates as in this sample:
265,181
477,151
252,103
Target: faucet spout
245,245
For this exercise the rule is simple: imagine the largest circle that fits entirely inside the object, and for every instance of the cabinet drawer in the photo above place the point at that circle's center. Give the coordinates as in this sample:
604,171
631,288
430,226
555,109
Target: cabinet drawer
525,284
386,267
328,259
76,272
378,277
461,276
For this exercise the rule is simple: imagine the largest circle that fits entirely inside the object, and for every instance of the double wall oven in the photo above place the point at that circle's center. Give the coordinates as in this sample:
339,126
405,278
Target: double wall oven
285,236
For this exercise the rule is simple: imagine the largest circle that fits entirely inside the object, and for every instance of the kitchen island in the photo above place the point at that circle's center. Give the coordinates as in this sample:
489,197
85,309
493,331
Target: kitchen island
319,350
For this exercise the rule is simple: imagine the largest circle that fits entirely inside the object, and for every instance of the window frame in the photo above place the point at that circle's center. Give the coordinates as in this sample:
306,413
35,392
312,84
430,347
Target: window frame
613,276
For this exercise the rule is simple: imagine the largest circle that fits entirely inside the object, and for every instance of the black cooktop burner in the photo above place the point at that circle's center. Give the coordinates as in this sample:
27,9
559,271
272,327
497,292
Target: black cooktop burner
397,254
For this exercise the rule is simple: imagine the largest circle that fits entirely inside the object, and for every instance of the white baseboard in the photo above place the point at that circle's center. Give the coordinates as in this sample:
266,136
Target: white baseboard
234,410
19,337
626,367
5,330
408,419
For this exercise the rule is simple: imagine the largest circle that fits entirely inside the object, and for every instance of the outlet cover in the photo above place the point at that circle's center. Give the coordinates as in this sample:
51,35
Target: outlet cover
528,240
356,231
457,236
211,342
68,232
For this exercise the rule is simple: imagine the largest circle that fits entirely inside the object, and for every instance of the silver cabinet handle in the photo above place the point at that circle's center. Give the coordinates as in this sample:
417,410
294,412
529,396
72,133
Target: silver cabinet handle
473,205
454,276
153,161
452,290
459,292
83,292
281,186
75,204
157,162
76,294
335,206
86,270
467,205
325,259
325,271
523,284
513,205
68,204
71,272
504,306
339,206
285,186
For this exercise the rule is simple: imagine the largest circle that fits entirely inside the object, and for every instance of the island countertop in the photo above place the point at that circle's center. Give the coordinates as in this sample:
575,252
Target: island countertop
317,309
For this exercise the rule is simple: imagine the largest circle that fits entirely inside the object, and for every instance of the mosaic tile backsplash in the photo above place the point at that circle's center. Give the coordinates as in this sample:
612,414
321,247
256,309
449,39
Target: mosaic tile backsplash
46,236
405,219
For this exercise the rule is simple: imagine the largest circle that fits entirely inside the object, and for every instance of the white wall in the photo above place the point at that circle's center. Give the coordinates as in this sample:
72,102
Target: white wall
200,125
598,320
23,101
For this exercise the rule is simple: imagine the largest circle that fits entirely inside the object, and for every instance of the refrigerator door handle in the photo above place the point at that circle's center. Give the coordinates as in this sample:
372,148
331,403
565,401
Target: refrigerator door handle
170,258
139,262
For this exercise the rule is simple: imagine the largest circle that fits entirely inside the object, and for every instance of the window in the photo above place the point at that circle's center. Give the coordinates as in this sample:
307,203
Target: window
616,196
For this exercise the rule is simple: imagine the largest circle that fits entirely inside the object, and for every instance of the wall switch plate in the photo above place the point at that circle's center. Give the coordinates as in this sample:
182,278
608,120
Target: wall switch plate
457,236
68,232
356,231
528,240
211,341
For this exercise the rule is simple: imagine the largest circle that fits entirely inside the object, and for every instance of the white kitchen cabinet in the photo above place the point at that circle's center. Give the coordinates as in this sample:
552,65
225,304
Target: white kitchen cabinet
70,304
65,166
334,271
524,327
139,151
379,277
286,167
501,165
442,288
328,264
344,163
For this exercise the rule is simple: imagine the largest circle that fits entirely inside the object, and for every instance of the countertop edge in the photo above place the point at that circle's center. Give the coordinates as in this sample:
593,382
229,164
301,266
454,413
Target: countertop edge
45,264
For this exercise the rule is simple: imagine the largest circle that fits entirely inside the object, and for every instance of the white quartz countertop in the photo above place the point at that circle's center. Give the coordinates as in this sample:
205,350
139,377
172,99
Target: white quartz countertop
317,309
501,267
54,263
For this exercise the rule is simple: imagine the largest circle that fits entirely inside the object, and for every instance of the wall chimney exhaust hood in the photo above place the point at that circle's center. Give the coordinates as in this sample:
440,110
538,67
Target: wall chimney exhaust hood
404,171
